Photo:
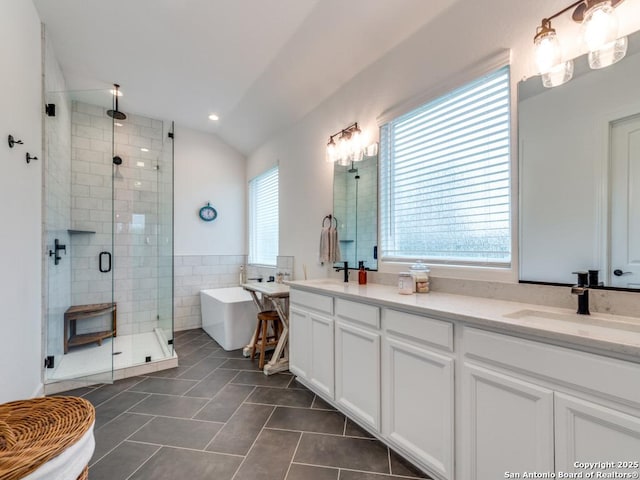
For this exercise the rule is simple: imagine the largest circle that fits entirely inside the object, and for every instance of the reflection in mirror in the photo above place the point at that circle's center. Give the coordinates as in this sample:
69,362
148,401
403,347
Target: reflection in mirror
579,154
355,207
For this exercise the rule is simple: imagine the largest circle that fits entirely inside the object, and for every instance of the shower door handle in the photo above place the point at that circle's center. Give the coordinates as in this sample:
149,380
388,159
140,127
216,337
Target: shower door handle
101,256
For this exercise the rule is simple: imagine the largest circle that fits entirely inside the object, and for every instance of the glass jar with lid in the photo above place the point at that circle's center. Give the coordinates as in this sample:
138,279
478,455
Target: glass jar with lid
420,273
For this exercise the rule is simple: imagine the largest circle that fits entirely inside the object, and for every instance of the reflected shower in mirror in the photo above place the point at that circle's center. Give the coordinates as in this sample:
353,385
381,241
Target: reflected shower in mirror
579,154
355,207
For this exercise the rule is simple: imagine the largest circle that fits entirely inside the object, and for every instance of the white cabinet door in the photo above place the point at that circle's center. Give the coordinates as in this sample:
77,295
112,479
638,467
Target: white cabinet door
588,432
418,404
321,373
358,373
507,425
299,340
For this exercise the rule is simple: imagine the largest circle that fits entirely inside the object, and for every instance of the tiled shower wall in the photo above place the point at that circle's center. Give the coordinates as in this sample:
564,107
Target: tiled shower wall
137,231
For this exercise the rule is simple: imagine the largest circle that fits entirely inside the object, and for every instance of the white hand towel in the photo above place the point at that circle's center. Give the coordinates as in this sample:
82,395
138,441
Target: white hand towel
325,248
334,245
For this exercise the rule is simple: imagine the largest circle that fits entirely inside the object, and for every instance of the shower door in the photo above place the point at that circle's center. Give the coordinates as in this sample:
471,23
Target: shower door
143,232
80,313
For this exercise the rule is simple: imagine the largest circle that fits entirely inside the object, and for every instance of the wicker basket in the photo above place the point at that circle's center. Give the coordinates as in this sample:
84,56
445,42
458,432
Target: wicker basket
34,431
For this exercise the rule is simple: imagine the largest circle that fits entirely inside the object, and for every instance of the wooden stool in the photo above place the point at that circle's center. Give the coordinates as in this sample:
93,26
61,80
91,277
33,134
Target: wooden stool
263,340
82,312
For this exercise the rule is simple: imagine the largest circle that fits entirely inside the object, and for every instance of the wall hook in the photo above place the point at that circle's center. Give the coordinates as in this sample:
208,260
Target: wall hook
12,141
29,157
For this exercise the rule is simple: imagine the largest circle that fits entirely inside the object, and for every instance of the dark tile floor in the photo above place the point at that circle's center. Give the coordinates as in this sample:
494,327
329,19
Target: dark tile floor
217,416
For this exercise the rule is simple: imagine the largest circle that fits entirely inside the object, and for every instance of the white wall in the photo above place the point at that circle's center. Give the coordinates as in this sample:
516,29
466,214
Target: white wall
208,170
427,61
20,202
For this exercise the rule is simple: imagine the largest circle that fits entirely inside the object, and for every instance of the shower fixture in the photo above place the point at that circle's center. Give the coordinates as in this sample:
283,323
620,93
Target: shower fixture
117,160
115,113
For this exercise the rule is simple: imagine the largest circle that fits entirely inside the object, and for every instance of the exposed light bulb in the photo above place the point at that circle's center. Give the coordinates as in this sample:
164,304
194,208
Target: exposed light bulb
356,145
332,151
600,26
344,148
548,53
558,75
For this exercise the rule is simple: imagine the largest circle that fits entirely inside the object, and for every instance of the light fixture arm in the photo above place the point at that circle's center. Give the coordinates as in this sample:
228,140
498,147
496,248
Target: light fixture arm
345,131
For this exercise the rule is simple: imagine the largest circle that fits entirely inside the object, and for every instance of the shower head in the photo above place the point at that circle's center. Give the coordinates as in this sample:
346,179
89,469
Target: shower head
352,169
117,160
116,114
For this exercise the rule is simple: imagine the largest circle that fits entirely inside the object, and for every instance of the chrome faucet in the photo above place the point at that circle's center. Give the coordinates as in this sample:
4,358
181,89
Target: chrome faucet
582,291
346,271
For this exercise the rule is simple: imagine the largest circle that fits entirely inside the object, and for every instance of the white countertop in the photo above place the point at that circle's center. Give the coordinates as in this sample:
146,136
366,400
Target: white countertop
610,334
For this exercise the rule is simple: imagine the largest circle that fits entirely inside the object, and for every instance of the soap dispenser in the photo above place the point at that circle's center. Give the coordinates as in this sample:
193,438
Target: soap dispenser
362,273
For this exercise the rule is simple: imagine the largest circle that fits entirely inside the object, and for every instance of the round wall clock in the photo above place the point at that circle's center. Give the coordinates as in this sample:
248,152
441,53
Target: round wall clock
208,213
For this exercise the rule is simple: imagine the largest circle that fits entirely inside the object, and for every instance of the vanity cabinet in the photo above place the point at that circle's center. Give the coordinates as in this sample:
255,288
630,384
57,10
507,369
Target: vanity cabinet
532,407
459,400
358,361
311,338
418,389
507,425
586,431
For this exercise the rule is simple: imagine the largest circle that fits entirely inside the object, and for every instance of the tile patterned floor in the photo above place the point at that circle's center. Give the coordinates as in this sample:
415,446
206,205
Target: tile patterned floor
217,416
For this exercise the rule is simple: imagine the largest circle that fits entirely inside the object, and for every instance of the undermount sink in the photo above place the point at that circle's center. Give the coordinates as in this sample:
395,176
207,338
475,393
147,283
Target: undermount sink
623,323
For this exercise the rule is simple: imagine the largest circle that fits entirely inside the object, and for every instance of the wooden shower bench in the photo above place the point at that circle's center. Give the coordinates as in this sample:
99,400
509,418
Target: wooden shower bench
82,312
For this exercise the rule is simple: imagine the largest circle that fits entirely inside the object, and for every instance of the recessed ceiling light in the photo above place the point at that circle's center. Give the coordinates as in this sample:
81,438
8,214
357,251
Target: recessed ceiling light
139,164
144,149
214,117
116,92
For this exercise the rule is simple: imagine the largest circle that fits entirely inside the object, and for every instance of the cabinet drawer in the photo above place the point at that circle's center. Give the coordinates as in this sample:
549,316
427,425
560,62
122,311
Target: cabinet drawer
321,303
419,329
358,312
600,374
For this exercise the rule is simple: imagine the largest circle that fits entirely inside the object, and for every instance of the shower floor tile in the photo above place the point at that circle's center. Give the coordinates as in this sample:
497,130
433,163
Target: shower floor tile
233,423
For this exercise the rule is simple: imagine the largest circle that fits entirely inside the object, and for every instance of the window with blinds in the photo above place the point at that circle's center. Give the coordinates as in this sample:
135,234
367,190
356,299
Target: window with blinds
445,178
263,218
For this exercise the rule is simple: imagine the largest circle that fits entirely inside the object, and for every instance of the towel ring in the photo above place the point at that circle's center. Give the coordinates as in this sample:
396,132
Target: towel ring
331,218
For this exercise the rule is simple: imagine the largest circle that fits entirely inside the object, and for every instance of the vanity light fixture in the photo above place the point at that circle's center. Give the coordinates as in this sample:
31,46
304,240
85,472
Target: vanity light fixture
600,35
349,147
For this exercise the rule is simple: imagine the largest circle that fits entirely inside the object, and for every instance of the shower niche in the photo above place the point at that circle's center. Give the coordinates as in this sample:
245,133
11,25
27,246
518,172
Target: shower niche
108,197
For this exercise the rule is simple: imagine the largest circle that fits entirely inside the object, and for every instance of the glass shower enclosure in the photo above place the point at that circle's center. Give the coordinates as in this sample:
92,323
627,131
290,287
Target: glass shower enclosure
108,235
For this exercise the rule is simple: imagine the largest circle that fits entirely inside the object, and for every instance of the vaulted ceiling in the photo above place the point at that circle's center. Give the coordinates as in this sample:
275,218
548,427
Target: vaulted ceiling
261,65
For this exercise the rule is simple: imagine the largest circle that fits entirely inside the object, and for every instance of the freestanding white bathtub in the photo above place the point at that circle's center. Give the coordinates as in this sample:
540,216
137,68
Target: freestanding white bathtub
228,316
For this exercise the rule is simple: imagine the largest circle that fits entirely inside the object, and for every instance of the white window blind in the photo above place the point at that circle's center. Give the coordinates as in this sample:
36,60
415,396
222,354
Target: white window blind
263,218
445,178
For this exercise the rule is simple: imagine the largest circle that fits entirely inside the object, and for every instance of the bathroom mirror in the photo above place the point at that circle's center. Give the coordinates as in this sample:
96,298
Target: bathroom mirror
579,155
355,208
